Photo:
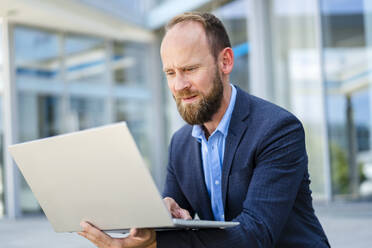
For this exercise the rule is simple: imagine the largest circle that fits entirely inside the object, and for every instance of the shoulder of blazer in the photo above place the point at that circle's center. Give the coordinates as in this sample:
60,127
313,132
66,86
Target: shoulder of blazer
255,107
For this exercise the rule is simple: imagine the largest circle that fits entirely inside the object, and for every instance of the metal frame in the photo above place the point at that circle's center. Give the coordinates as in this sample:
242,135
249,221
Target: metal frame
12,175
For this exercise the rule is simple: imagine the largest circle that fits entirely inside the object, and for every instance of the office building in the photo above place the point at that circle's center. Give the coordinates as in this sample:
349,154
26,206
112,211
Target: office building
71,65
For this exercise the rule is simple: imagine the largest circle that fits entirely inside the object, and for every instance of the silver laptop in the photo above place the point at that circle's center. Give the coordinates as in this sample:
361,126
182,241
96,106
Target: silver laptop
96,175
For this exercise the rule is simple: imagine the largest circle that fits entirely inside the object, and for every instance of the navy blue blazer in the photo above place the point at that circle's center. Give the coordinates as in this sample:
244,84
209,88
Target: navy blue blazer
265,182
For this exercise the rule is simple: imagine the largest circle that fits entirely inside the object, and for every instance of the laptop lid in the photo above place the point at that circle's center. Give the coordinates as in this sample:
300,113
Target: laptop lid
96,175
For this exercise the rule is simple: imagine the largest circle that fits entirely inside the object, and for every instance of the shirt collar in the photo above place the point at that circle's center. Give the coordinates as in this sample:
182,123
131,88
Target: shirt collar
223,126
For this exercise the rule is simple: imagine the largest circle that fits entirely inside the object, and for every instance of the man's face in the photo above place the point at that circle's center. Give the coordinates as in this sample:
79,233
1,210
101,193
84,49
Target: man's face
192,72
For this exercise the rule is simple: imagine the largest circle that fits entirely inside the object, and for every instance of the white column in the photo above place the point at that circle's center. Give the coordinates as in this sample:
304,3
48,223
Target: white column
158,115
68,123
261,68
12,192
110,101
325,141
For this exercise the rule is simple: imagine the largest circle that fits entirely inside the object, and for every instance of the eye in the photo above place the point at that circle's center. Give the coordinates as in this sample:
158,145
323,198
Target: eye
189,69
169,73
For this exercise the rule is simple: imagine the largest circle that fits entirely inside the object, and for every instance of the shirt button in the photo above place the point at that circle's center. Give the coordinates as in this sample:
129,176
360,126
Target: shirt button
217,182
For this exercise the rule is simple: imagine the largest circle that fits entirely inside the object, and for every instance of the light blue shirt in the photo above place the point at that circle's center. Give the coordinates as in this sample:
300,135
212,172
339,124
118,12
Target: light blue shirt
212,151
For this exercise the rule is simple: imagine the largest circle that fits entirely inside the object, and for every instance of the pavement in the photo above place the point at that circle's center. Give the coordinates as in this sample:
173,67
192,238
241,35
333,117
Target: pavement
346,225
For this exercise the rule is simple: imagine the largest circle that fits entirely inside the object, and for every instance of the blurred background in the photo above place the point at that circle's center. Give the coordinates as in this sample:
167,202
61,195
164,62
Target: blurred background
68,65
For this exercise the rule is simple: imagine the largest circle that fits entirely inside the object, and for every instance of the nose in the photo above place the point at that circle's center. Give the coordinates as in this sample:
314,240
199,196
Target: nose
181,82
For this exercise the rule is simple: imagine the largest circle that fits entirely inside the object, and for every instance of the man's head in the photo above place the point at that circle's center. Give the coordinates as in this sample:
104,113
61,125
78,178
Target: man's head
213,28
197,59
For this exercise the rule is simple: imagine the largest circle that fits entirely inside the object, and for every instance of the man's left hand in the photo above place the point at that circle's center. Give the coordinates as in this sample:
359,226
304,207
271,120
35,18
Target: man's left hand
138,238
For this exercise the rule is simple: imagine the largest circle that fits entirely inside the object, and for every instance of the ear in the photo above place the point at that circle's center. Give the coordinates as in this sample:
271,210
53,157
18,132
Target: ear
226,60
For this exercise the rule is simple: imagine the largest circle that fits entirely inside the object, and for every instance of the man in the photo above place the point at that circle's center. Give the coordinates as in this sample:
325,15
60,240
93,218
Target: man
239,157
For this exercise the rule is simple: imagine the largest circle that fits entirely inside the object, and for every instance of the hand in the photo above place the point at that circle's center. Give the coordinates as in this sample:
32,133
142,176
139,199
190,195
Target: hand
140,238
175,210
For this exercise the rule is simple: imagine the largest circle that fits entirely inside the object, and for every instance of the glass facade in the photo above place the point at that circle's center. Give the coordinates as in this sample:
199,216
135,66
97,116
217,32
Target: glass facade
297,77
70,81
346,47
137,115
86,112
131,82
84,62
2,208
129,64
38,80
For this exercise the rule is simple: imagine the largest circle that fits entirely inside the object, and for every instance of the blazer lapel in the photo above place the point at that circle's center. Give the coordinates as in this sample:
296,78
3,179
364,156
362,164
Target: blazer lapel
237,128
200,185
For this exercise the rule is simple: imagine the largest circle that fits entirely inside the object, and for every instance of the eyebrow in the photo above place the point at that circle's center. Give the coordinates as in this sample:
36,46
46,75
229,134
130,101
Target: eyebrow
182,67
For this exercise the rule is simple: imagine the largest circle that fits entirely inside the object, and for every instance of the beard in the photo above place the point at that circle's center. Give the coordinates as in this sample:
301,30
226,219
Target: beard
203,109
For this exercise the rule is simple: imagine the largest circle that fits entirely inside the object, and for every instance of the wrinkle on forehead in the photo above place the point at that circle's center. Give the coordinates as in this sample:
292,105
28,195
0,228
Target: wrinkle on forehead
183,44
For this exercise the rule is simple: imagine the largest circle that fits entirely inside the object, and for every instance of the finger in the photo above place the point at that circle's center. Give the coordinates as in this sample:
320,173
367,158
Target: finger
185,214
95,235
142,236
175,210
176,214
138,233
95,240
133,232
168,203
180,213
171,206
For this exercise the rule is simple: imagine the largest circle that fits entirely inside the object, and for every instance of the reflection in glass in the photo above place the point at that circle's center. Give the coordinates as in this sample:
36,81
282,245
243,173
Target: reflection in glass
137,116
2,208
36,55
348,94
85,59
39,116
297,85
37,62
234,17
129,63
85,113
51,102
1,56
362,118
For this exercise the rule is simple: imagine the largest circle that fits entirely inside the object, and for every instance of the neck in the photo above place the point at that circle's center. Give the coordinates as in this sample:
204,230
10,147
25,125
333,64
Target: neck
210,126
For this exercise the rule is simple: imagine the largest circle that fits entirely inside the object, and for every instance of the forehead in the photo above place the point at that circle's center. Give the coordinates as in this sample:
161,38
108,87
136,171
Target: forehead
184,43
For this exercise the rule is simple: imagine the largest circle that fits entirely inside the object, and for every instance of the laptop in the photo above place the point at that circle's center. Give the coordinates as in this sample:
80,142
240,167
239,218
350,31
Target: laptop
99,176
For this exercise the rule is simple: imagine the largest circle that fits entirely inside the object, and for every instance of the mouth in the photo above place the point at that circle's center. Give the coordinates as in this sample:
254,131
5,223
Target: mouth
189,99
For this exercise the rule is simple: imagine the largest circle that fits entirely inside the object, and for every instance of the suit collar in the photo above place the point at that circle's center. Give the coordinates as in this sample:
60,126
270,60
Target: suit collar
241,108
200,185
237,129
